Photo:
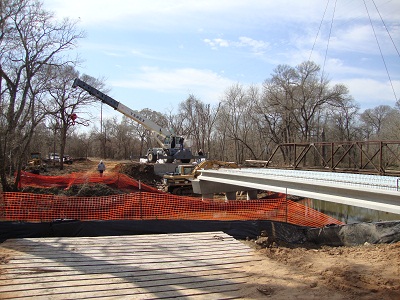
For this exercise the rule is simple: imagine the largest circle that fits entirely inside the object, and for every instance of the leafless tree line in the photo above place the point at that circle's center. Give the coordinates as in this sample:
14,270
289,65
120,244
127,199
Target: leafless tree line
294,105
38,105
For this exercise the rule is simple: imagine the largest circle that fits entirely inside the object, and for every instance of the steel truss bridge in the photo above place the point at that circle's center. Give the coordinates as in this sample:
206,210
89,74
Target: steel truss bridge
370,157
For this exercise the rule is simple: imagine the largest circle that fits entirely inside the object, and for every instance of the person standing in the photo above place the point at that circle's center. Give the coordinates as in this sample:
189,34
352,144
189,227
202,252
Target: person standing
181,143
200,154
101,167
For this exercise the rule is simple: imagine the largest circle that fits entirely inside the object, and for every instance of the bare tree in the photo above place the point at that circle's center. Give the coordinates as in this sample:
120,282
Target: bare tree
30,41
197,120
68,107
277,105
295,103
236,123
122,138
342,121
376,121
144,135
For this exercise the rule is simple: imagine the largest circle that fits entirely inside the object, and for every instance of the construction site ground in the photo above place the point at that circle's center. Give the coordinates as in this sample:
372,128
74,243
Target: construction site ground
285,272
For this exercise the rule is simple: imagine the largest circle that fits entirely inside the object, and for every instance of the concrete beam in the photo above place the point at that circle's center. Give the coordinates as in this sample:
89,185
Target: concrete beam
218,181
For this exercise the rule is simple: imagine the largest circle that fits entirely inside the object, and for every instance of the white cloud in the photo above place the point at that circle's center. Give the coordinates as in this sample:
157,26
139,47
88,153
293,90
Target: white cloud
370,93
360,38
257,47
205,84
215,43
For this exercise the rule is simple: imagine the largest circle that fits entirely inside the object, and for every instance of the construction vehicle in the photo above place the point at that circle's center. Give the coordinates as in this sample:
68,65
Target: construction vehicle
35,163
171,146
55,159
180,181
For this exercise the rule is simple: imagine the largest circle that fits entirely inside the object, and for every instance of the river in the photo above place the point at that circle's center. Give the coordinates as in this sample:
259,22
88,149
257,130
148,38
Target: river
347,213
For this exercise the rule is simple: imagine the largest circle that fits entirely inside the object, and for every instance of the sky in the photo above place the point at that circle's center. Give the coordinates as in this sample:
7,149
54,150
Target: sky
154,54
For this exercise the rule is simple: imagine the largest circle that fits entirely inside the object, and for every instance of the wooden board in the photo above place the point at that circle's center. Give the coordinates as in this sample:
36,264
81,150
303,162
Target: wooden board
196,265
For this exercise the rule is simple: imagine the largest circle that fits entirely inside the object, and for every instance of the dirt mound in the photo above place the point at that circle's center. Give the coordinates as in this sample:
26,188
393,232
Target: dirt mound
139,171
84,190
77,166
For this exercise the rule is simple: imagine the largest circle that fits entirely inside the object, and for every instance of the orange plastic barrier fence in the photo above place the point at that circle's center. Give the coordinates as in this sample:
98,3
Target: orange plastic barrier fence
154,206
116,180
145,203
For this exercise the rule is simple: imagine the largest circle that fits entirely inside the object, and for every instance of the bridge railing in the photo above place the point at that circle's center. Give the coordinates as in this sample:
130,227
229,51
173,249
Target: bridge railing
371,157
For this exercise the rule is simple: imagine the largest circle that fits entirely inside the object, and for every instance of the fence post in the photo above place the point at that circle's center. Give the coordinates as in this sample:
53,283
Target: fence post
140,200
286,206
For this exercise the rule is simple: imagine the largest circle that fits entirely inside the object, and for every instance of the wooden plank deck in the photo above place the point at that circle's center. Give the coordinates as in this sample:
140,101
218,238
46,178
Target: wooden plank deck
191,265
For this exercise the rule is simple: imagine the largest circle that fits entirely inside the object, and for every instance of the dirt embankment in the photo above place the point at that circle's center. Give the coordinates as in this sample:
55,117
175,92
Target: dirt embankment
361,272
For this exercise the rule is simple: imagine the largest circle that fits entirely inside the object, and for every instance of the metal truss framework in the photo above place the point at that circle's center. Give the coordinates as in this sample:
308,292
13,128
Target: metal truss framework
371,157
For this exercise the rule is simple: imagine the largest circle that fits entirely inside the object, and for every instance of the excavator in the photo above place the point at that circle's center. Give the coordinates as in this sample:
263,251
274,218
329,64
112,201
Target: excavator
180,181
171,145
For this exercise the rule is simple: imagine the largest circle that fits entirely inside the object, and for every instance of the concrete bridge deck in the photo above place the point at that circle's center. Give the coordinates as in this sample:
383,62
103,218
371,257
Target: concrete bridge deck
368,191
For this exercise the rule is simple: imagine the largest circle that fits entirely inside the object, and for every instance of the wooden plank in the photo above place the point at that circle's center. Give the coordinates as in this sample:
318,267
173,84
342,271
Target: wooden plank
103,255
192,282
199,265
38,249
81,277
212,291
193,236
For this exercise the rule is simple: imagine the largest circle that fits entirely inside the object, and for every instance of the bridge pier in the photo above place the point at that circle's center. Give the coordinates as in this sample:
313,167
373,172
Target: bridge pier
230,195
251,195
207,189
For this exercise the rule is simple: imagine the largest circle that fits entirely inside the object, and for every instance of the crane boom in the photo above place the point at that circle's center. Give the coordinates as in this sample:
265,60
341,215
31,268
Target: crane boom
132,114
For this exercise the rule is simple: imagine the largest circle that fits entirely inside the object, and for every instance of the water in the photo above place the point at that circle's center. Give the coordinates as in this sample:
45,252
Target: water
345,213
349,214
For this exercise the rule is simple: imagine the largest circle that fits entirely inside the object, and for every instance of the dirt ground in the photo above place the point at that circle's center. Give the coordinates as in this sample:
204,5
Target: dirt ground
359,272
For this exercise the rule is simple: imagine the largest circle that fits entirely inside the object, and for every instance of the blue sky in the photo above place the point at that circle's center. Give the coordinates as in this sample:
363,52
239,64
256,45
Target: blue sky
154,53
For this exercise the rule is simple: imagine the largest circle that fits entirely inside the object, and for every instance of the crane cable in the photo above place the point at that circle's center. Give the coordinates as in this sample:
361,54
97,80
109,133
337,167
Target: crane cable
376,38
319,29
377,41
387,30
329,38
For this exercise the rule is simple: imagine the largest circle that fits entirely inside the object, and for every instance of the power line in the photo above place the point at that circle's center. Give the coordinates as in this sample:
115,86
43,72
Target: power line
379,46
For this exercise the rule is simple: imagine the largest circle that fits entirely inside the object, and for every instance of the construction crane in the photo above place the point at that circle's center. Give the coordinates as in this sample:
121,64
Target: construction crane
171,146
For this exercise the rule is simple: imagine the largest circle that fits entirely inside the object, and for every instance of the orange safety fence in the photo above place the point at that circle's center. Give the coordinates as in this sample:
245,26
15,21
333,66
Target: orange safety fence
113,179
154,206
143,203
